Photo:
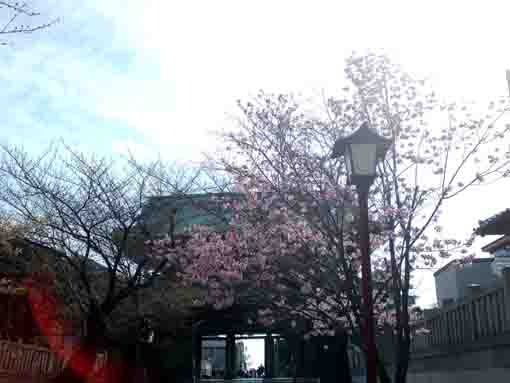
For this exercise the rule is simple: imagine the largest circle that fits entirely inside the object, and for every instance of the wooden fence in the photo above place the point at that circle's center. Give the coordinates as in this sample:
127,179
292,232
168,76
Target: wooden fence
38,363
261,380
28,360
479,317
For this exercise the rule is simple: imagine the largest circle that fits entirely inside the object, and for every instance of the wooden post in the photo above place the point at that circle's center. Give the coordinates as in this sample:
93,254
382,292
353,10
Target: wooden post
506,287
230,354
300,357
196,340
276,357
269,356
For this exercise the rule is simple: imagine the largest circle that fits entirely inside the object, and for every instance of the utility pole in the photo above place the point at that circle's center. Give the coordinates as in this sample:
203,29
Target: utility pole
508,81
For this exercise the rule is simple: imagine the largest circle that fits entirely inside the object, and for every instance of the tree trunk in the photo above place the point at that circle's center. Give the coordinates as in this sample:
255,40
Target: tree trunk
344,368
404,333
402,364
381,370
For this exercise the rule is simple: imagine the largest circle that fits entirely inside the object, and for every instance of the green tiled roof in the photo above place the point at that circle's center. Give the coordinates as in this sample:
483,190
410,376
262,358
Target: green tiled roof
186,211
201,209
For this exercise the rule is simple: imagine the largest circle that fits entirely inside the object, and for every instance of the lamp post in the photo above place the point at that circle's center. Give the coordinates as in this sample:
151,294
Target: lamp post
362,150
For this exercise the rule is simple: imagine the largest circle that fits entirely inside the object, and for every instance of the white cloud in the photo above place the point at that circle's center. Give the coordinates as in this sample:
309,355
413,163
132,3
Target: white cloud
211,53
129,147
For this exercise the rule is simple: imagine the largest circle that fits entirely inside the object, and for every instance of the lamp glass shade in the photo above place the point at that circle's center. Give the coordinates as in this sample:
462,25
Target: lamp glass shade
361,160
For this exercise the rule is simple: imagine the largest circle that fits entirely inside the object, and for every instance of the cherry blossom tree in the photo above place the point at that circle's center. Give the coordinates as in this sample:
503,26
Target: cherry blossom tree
301,235
272,256
440,149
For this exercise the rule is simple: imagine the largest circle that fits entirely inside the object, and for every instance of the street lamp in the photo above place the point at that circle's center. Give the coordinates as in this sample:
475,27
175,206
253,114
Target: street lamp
362,150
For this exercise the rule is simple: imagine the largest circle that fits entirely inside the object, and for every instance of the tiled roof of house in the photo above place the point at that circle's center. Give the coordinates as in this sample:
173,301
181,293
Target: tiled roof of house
455,261
498,224
499,243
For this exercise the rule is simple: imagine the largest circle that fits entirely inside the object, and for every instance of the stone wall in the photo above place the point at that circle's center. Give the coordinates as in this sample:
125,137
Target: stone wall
486,360
464,376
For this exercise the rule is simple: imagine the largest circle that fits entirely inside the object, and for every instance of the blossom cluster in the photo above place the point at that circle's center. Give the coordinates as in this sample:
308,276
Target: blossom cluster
272,248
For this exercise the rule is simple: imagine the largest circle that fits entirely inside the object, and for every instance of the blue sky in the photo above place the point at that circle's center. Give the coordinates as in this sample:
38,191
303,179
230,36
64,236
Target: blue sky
73,81
157,76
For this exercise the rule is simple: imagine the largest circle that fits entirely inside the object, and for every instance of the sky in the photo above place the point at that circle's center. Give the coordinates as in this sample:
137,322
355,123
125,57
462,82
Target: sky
158,76
255,352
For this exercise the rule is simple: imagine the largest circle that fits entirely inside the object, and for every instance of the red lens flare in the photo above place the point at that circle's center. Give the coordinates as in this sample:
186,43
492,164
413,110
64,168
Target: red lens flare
46,310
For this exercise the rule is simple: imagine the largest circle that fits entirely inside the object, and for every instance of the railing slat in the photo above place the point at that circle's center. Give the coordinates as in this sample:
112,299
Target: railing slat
499,304
451,327
460,318
440,332
467,328
485,315
498,313
479,319
446,322
25,365
463,319
490,317
433,331
494,315
4,355
450,320
29,360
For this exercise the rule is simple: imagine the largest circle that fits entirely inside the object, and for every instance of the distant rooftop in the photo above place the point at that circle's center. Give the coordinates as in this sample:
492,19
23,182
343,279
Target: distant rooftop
498,224
447,266
499,243
185,211
16,265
